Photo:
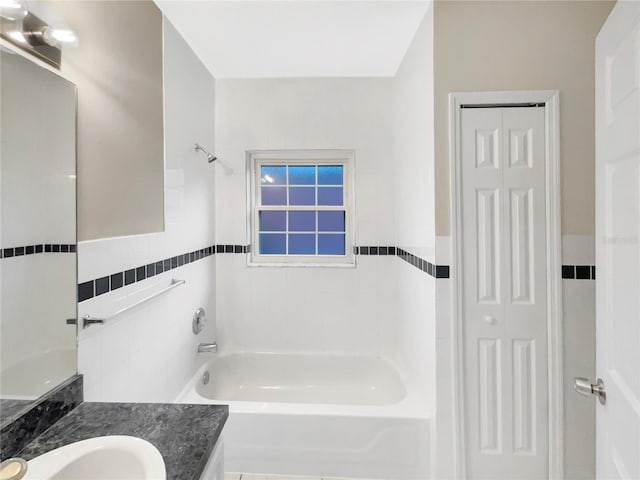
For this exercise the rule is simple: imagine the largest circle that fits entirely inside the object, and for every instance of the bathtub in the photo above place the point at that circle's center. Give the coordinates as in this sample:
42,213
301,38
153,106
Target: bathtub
316,414
37,374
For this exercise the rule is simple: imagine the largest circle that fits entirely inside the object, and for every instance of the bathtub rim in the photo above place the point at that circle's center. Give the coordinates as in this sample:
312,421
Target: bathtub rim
411,406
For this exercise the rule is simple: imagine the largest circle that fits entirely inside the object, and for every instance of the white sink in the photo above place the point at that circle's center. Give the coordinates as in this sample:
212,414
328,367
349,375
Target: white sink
102,458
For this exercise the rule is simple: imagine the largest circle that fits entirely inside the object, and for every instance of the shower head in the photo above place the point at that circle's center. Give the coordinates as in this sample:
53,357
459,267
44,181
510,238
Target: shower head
210,157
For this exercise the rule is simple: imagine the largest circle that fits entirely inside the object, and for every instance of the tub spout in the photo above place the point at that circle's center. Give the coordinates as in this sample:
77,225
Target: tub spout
208,347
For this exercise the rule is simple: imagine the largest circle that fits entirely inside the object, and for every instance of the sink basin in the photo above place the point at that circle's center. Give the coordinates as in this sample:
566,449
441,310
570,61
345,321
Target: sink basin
102,458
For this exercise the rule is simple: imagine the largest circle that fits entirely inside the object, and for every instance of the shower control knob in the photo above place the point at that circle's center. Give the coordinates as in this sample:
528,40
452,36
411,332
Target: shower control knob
199,319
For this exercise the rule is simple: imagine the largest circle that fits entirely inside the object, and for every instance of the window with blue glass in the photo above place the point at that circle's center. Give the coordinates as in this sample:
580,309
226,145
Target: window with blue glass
301,210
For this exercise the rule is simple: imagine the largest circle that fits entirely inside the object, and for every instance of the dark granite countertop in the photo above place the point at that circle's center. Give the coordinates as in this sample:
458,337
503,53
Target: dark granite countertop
10,409
184,434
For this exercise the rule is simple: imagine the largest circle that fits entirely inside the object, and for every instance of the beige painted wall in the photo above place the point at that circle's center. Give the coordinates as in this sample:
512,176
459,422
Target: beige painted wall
117,68
528,45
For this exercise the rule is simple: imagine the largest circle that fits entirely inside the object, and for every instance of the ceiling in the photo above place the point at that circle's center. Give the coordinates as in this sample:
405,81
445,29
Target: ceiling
297,38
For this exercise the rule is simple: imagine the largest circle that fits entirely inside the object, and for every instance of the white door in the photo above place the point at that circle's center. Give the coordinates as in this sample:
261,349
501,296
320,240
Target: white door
504,292
617,242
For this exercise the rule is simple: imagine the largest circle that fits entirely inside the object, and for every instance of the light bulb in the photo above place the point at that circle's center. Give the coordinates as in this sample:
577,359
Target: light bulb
55,36
17,36
10,4
64,36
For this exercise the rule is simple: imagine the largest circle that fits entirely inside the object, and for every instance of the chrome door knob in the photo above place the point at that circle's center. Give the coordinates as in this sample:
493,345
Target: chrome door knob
584,387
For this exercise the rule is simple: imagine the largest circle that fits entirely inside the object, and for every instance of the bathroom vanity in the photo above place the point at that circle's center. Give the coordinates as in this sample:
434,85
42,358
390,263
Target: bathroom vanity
188,437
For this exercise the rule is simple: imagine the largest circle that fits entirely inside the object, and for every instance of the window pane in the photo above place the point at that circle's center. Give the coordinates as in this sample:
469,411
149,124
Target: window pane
302,244
331,221
302,175
330,196
302,196
331,244
272,175
273,221
272,244
330,174
302,221
274,195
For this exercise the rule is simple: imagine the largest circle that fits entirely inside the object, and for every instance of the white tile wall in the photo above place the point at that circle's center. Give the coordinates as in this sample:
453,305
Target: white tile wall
415,214
327,113
38,181
303,309
121,359
36,301
414,145
253,476
415,331
307,309
444,458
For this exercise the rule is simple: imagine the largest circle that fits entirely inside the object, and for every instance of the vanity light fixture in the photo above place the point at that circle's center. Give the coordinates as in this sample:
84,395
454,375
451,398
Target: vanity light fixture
33,35
17,36
11,11
12,4
53,37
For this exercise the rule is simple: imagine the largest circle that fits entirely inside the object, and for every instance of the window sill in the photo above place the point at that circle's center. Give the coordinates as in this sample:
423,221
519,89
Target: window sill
345,264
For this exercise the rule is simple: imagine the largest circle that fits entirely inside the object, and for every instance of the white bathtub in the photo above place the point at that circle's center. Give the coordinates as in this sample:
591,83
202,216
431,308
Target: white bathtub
316,414
38,374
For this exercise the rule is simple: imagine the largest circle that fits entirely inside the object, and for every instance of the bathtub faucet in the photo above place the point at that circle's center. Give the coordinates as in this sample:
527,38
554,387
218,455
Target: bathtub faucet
208,347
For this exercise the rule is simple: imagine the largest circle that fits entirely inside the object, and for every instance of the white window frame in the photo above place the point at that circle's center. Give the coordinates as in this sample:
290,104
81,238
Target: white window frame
258,158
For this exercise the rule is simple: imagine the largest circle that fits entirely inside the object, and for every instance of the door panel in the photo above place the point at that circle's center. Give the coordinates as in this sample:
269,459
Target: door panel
504,291
618,242
522,256
524,384
488,268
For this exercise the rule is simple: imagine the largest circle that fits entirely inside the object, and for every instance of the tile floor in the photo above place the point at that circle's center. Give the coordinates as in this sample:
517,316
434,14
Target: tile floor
253,476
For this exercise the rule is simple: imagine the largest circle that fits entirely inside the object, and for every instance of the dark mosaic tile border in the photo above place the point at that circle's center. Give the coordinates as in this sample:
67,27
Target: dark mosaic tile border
579,272
435,271
45,411
38,248
375,250
100,286
108,283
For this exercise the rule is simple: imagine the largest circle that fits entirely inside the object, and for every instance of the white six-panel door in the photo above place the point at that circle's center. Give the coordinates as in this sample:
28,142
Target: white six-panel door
618,242
504,313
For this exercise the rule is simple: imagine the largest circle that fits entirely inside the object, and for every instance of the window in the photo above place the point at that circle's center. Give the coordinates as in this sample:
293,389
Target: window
301,207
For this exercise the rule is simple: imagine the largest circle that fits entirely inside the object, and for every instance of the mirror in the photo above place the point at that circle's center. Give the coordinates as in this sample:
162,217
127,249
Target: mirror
37,232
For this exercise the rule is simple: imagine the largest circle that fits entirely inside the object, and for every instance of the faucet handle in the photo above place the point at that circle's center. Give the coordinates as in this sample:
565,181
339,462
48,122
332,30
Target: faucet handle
207,348
13,469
